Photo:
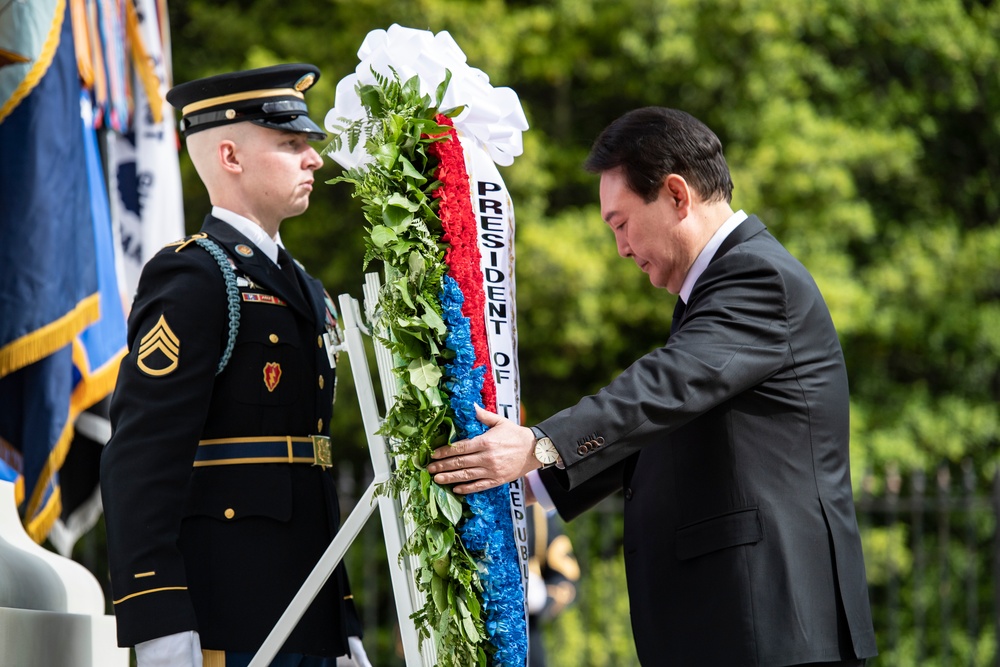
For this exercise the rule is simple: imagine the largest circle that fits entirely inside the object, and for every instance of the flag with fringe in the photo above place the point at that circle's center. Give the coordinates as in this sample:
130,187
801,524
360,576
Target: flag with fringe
66,71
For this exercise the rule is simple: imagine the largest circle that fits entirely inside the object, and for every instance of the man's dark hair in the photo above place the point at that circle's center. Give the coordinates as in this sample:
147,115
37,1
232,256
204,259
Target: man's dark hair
652,142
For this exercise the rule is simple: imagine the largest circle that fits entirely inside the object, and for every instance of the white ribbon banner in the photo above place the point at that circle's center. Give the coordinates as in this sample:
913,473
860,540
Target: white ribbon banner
494,211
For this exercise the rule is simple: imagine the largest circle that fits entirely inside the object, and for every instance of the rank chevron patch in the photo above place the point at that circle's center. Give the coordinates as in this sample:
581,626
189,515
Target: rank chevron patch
163,340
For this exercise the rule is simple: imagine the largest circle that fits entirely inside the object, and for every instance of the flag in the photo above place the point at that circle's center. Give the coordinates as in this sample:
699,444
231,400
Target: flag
127,50
61,321
145,185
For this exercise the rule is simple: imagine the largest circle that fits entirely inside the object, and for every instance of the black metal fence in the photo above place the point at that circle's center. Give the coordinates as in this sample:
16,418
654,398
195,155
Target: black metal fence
931,547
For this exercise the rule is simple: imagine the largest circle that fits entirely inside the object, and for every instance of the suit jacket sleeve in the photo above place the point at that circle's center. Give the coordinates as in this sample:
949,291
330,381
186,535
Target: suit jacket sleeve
733,335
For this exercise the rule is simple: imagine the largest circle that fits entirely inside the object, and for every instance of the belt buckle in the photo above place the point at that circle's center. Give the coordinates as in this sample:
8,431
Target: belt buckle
322,453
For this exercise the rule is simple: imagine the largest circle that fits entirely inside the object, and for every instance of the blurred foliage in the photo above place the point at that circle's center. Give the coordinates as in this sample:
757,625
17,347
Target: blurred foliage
864,133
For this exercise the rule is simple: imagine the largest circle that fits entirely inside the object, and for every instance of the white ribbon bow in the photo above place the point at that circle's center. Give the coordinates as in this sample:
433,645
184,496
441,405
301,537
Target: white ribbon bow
492,116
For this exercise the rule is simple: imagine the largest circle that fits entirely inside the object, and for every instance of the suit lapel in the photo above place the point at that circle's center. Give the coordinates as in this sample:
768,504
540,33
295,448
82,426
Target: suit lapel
257,266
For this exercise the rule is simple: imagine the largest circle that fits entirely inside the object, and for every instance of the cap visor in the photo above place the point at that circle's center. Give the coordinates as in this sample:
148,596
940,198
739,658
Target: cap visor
302,124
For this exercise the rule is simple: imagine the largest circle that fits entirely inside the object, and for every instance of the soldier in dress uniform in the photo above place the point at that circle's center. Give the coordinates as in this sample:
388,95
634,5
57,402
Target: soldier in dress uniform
216,483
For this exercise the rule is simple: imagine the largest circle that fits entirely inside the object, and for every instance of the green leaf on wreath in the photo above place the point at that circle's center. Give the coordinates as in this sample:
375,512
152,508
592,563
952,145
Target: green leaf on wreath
411,172
416,263
397,218
441,564
403,289
438,595
382,235
435,540
470,630
371,97
442,88
423,373
386,155
399,200
450,506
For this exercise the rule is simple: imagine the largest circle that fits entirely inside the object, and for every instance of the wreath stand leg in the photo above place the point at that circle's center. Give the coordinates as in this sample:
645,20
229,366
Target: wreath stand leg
408,598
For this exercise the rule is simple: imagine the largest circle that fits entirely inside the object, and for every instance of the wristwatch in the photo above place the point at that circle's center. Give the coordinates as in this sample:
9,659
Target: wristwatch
546,452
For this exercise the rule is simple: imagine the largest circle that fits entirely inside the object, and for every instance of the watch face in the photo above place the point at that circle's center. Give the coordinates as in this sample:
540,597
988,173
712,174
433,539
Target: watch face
546,452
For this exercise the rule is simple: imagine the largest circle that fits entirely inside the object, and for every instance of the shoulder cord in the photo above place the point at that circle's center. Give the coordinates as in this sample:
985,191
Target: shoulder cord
232,295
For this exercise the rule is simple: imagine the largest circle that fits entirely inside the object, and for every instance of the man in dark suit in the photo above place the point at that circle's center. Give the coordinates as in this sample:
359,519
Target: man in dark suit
730,441
216,483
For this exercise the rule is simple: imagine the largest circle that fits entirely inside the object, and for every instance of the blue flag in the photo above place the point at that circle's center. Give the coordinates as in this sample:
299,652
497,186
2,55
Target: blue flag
61,320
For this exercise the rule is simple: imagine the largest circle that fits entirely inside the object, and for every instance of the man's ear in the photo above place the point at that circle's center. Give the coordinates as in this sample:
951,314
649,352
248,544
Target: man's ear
677,191
229,159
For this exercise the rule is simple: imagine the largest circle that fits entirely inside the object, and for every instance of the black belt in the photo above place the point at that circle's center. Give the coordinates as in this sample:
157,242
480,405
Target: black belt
313,449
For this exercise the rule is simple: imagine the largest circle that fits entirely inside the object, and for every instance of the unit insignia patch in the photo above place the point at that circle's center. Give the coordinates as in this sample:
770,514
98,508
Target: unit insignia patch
272,375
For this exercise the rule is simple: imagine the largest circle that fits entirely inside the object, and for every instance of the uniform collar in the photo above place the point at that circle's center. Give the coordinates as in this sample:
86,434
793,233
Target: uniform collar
251,230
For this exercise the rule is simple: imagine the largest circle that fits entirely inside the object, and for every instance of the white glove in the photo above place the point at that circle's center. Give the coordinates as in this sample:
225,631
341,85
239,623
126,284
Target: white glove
537,593
358,656
180,650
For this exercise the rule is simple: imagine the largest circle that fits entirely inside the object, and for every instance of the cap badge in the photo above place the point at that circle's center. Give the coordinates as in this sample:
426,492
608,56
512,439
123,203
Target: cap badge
304,82
244,250
163,340
272,375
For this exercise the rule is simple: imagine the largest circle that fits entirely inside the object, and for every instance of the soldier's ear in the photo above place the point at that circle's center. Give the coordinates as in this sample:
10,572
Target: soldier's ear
229,157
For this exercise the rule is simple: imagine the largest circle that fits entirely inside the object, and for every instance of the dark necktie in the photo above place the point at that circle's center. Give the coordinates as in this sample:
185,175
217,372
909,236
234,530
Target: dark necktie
288,269
678,315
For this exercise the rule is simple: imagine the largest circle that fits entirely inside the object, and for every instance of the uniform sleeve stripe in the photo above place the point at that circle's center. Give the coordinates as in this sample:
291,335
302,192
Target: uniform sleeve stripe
152,590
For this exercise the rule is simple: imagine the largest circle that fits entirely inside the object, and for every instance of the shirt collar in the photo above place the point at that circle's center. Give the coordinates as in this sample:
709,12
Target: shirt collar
251,230
708,252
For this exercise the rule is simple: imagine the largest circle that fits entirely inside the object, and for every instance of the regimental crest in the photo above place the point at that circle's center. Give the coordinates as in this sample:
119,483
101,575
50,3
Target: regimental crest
159,350
272,375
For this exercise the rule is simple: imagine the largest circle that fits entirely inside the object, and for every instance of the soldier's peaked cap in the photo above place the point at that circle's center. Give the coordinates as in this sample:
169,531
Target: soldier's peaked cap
269,96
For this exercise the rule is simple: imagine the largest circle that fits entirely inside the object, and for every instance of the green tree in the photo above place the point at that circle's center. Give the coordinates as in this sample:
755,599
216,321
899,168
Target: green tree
866,135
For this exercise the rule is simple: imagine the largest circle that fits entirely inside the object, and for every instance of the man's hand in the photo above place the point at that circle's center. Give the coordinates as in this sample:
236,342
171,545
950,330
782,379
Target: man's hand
502,454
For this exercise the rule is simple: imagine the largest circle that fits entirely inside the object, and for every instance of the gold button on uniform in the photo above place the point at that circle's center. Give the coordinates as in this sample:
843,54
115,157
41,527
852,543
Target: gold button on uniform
319,341
230,513
273,338
321,382
319,426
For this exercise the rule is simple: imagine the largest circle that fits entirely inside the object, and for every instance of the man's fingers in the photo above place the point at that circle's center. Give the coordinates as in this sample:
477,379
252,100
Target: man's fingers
487,418
455,449
475,487
460,475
